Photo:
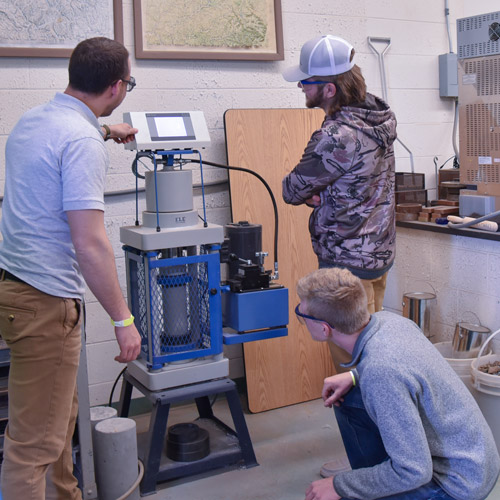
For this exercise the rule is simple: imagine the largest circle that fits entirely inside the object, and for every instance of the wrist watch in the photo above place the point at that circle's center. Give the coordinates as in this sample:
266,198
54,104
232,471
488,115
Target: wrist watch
107,135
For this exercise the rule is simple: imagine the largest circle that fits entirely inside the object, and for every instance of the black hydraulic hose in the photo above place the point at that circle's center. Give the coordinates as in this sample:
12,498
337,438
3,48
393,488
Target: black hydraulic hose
110,402
275,207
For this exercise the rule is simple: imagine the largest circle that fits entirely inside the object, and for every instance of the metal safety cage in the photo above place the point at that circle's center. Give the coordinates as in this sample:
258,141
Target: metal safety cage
176,303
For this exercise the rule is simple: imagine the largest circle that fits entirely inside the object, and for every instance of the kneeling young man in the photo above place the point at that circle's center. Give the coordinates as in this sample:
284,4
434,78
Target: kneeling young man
410,427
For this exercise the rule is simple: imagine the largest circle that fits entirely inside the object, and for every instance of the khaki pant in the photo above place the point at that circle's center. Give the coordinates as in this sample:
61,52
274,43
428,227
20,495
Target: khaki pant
375,290
43,333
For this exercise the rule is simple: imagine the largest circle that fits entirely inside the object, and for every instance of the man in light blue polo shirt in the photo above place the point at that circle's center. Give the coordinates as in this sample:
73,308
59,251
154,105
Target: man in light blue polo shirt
54,240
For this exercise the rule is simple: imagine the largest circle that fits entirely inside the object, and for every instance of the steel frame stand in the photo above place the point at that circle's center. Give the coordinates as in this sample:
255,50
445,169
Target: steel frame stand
85,457
230,447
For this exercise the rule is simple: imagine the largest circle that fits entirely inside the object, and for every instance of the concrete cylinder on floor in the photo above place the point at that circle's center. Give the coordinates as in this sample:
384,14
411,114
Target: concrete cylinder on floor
100,413
115,458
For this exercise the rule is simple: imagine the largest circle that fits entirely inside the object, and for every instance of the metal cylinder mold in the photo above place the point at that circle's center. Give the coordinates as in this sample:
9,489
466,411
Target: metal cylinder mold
417,306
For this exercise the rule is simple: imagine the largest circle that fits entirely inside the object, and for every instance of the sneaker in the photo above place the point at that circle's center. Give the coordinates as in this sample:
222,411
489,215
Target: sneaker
330,469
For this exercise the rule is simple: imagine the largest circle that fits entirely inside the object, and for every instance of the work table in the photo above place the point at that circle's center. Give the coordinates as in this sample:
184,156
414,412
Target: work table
438,228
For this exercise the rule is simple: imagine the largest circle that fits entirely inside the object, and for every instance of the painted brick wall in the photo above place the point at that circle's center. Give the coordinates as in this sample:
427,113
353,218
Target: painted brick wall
418,35
463,272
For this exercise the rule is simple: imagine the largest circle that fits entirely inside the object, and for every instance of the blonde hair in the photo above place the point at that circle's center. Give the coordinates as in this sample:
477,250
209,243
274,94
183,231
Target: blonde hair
336,296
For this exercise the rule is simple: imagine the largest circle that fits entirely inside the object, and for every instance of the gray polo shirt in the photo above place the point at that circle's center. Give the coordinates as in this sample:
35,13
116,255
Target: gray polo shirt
56,161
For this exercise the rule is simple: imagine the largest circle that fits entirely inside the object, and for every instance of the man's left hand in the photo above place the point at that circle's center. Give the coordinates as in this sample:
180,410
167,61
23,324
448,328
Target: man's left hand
313,201
322,490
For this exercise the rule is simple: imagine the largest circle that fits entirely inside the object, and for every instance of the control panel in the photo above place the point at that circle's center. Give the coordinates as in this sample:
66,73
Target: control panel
167,130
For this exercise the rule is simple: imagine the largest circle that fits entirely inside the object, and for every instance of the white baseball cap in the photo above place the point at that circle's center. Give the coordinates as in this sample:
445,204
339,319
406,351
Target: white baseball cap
321,56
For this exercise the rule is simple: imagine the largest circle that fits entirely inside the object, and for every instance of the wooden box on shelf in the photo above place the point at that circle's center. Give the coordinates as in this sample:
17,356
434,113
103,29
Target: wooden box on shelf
449,185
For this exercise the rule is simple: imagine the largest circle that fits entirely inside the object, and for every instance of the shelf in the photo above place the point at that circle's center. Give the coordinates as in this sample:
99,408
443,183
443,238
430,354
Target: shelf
438,228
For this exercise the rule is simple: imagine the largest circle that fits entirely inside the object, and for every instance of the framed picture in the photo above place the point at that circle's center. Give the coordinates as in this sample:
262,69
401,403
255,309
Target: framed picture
55,30
208,29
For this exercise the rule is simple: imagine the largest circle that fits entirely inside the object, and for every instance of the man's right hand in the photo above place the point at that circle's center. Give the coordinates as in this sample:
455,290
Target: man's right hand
335,387
322,490
129,340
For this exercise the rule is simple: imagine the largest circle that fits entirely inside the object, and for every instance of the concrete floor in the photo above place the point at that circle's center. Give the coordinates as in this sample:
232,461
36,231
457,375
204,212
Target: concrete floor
291,445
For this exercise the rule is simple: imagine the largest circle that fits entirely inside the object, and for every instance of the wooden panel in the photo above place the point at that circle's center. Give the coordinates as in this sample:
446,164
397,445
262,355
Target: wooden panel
287,370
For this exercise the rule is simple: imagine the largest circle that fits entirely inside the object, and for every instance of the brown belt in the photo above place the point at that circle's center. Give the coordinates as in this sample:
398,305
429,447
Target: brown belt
5,275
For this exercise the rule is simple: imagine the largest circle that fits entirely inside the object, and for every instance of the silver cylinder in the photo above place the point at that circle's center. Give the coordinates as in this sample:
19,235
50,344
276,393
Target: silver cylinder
175,191
174,310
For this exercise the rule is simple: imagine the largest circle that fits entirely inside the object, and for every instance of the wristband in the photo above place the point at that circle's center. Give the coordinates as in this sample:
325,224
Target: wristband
123,322
107,135
353,378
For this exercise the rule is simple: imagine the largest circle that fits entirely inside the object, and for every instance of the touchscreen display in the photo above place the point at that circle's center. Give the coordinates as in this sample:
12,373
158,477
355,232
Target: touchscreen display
170,126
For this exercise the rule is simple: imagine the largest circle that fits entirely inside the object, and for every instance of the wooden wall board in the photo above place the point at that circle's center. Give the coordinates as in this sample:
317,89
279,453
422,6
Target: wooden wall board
287,370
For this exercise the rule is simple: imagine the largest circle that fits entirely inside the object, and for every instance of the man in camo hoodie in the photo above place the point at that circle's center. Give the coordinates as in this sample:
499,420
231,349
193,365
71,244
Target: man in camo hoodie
346,173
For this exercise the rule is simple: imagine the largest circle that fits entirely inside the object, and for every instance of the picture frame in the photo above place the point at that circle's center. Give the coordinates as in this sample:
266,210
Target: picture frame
65,48
249,29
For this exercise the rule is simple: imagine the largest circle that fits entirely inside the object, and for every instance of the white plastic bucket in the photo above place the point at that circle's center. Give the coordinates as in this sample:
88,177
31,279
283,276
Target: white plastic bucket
461,366
488,390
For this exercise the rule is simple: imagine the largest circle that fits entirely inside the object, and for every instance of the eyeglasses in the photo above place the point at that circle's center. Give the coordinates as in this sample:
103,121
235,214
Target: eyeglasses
301,317
130,83
307,82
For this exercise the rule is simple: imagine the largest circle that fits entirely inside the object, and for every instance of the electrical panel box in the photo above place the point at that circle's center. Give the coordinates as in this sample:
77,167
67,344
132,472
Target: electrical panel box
448,75
479,101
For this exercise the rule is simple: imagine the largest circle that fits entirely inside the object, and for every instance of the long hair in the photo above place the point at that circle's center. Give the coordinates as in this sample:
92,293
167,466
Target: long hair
96,63
351,87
